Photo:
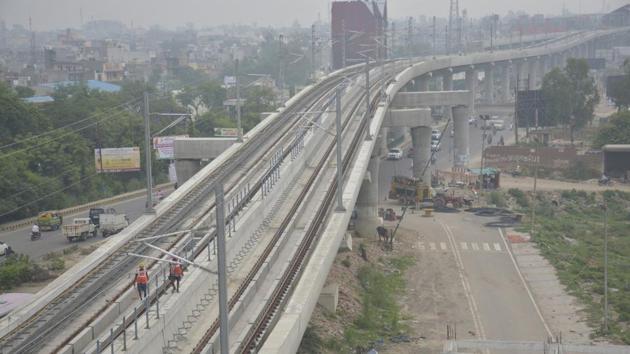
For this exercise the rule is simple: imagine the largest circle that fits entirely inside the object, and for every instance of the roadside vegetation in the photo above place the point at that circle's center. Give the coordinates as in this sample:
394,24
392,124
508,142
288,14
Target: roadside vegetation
378,320
47,150
570,234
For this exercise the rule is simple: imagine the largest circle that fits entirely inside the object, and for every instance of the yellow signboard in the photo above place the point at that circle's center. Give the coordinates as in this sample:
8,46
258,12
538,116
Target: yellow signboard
117,159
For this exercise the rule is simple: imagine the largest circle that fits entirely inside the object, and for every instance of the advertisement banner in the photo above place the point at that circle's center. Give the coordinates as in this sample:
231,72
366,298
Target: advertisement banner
117,159
229,81
231,132
164,146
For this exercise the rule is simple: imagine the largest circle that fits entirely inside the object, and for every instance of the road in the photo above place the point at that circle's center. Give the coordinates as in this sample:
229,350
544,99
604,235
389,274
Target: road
481,274
53,241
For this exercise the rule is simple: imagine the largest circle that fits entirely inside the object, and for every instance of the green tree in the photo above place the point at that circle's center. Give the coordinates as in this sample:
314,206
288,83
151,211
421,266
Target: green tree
17,118
617,131
23,91
570,95
619,91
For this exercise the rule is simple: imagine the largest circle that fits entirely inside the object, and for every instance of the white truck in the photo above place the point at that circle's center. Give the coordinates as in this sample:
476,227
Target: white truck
110,224
79,230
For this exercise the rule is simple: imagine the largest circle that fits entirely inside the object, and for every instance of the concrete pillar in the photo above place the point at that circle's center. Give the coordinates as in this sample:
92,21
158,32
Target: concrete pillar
184,169
329,297
489,84
521,74
447,85
461,149
506,89
383,140
422,83
421,138
367,200
592,48
533,74
471,84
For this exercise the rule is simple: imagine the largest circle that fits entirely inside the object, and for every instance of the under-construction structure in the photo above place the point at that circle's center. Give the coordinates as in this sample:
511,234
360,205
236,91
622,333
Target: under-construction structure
454,36
358,30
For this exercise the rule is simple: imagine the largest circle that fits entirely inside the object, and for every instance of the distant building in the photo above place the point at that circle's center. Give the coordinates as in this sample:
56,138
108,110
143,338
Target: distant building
618,18
358,28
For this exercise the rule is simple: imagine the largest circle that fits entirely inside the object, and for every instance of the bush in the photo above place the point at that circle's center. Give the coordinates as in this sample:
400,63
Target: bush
346,262
579,170
15,271
56,264
520,197
497,199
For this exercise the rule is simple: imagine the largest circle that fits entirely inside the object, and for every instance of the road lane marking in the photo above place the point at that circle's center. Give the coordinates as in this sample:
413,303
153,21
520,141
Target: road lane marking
475,246
529,292
497,247
464,246
472,305
432,246
486,246
443,246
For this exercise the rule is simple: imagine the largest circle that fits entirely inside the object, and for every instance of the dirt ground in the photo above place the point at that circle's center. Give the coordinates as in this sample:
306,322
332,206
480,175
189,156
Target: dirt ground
527,183
430,301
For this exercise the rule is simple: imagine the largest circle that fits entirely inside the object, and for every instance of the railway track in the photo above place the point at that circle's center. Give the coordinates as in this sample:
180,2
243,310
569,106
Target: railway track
305,245
32,333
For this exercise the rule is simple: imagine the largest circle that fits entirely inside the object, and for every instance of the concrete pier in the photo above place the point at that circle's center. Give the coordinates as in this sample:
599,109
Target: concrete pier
421,138
471,84
461,148
489,84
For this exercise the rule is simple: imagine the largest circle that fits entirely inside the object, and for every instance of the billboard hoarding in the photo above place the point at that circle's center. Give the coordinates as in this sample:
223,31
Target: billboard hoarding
232,132
164,146
117,159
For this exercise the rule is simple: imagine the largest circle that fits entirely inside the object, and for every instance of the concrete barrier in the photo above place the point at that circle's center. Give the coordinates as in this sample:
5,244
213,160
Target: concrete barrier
11,226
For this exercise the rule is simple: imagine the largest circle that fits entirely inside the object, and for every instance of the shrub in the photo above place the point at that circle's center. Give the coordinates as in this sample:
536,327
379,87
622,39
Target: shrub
496,198
15,271
520,197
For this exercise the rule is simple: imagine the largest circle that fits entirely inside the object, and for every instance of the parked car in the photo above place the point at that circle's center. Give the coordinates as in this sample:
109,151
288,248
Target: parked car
435,146
395,154
435,134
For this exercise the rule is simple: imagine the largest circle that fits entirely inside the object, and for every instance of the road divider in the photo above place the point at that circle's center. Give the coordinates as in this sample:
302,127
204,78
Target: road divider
12,226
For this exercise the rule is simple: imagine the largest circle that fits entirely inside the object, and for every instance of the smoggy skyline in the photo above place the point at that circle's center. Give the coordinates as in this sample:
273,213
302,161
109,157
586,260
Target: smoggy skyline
60,14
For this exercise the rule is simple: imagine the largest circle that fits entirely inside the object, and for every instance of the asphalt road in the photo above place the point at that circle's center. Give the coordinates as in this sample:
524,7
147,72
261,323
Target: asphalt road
53,241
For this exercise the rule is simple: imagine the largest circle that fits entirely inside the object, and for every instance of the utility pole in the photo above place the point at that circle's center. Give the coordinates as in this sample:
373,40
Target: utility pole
516,108
537,158
434,38
393,40
605,266
483,153
491,42
367,95
238,104
343,43
223,306
313,66
147,155
446,43
409,36
340,207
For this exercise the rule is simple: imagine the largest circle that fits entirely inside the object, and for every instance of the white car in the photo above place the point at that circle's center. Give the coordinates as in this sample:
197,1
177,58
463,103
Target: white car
471,120
394,154
435,146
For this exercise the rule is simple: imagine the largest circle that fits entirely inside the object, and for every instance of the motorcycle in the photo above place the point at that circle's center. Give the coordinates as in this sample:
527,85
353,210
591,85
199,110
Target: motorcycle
35,235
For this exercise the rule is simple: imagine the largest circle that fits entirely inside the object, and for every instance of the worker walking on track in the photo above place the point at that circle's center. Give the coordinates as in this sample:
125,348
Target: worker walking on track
175,274
141,280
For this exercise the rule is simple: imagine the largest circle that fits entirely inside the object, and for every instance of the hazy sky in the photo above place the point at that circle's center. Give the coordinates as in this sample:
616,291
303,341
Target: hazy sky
59,14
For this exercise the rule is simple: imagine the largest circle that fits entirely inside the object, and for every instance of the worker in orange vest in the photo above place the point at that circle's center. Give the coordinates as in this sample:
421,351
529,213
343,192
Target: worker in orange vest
175,274
141,280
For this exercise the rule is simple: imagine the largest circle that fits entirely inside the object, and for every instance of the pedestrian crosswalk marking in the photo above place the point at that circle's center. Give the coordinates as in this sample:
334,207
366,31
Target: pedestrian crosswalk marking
464,246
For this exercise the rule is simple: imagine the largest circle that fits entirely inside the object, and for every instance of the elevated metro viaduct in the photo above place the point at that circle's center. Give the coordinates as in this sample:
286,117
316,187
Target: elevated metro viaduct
405,104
